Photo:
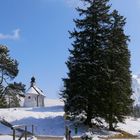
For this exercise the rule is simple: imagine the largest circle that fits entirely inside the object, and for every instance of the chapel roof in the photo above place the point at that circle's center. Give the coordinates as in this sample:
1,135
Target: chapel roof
34,89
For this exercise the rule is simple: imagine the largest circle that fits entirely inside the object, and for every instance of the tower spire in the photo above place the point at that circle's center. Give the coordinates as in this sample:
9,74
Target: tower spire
32,81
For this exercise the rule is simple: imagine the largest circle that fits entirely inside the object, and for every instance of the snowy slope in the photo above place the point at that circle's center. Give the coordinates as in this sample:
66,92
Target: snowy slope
131,126
50,121
136,89
47,120
7,137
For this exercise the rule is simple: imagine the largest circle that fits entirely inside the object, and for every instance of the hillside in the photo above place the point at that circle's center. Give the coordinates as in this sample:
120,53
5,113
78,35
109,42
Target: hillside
50,121
136,89
47,121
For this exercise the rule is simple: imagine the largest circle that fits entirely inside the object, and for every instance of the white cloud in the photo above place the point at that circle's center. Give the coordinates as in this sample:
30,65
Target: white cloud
14,36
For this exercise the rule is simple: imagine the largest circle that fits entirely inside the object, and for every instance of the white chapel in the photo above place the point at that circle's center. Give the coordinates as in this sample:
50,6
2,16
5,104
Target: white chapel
34,97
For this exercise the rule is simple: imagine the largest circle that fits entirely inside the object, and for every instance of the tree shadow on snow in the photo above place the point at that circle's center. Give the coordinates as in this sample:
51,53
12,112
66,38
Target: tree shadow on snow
44,126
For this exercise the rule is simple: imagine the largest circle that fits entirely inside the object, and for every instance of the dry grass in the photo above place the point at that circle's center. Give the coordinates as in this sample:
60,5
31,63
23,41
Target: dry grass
122,135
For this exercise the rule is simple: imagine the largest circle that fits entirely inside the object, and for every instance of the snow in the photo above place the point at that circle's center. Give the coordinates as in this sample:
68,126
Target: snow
7,137
53,102
49,121
131,126
46,120
34,90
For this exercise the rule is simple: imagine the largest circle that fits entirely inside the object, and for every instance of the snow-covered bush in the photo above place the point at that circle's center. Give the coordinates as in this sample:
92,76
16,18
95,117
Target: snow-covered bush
77,119
97,122
87,136
80,118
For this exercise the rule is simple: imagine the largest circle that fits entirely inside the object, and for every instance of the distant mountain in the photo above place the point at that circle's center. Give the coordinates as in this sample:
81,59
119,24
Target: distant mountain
136,89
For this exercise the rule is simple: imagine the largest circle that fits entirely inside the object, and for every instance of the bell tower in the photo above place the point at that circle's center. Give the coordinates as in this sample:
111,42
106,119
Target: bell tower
32,81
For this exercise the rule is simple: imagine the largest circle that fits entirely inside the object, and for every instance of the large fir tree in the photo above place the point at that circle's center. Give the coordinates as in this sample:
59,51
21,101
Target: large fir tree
99,80
80,88
115,94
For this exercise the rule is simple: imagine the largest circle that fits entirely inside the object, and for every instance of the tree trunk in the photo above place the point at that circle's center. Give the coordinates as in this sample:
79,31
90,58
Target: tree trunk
88,121
111,126
89,117
111,123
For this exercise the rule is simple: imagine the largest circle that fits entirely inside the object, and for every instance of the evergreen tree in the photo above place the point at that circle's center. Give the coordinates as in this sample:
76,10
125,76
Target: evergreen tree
8,66
14,92
8,69
80,88
99,78
116,91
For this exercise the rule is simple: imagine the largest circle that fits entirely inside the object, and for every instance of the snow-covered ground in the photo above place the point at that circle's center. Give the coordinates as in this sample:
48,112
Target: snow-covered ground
50,121
47,121
131,126
7,137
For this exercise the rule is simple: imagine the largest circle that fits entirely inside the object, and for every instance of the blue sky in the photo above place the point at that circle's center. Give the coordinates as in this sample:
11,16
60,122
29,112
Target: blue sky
36,33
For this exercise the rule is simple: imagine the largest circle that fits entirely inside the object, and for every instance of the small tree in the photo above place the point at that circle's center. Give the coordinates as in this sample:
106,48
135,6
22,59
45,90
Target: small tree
14,92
